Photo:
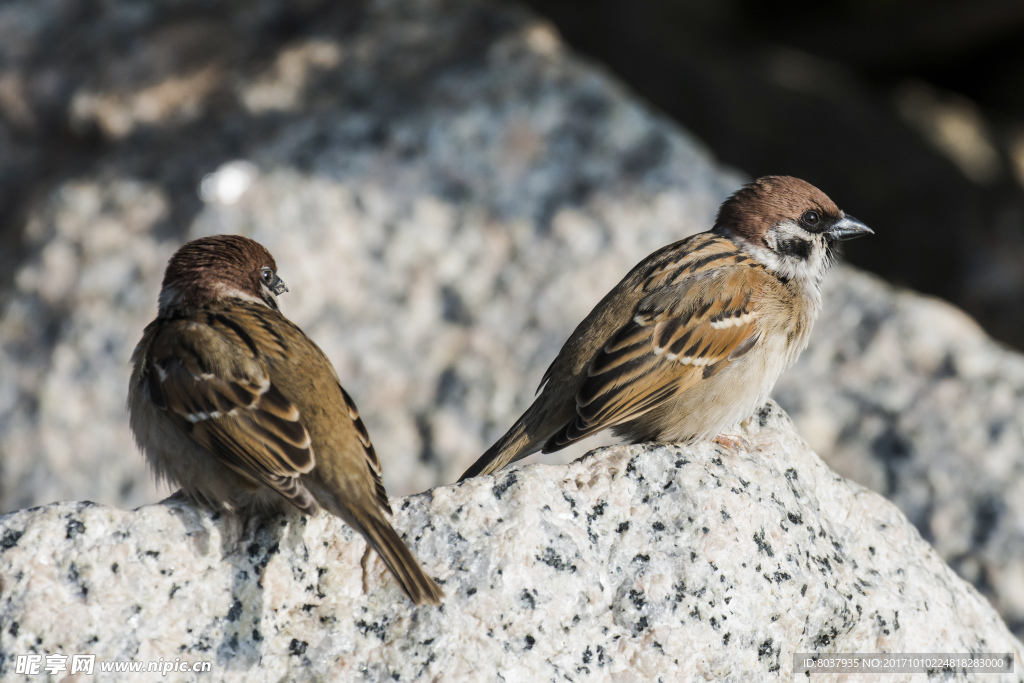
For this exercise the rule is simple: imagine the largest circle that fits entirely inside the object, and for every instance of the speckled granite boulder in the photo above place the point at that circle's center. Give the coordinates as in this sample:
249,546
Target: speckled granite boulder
908,396
637,563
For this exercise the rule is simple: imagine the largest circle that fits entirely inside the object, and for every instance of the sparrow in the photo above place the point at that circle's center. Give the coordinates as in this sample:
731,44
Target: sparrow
229,400
692,340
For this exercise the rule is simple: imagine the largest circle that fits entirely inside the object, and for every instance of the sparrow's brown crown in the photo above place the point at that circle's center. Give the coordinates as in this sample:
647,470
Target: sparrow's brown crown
759,206
217,267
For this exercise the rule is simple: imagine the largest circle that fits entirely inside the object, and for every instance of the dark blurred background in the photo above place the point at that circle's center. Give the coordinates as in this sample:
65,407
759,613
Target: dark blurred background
908,113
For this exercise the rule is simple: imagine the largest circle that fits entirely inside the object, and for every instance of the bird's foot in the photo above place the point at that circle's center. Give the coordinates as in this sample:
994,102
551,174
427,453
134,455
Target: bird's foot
732,442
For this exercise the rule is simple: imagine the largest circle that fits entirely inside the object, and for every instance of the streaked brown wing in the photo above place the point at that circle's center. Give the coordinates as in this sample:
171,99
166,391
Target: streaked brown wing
219,392
679,335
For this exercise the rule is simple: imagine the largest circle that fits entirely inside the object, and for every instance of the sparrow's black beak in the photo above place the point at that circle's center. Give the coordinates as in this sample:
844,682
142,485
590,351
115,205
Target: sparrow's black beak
848,227
278,286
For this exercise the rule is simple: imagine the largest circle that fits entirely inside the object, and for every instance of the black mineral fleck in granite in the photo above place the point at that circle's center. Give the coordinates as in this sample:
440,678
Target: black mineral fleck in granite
762,545
10,539
74,528
499,489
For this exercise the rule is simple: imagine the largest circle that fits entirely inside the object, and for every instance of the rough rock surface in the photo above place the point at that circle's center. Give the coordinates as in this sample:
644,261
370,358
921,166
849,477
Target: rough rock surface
637,563
444,220
908,396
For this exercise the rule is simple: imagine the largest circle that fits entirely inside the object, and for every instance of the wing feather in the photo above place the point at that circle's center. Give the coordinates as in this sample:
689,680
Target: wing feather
678,336
221,395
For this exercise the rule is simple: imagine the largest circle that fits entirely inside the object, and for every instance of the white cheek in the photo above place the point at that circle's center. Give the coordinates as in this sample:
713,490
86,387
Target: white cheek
268,293
808,270
227,291
787,231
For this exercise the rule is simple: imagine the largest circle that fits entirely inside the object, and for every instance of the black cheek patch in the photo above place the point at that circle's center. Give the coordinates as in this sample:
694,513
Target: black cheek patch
795,247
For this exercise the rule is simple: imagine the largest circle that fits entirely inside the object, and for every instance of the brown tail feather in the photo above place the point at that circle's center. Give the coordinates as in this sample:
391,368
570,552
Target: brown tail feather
420,588
506,450
570,434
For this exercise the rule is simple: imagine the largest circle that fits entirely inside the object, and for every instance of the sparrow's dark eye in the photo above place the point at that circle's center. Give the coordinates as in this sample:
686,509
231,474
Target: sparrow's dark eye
810,218
272,282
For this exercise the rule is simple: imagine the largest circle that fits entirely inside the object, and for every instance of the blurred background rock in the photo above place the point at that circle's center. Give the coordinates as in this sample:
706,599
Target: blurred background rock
449,188
911,110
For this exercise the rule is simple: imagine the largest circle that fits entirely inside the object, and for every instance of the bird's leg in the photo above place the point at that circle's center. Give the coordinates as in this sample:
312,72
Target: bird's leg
363,561
732,442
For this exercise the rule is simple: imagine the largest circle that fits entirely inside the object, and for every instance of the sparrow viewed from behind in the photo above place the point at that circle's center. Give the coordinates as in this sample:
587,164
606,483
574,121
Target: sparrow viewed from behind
692,340
233,403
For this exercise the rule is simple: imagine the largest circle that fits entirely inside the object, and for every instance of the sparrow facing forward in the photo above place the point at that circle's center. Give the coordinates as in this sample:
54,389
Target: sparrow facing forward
692,340
233,403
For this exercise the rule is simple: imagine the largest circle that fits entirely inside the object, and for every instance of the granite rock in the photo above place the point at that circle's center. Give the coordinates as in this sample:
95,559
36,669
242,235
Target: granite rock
908,396
636,563
444,220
